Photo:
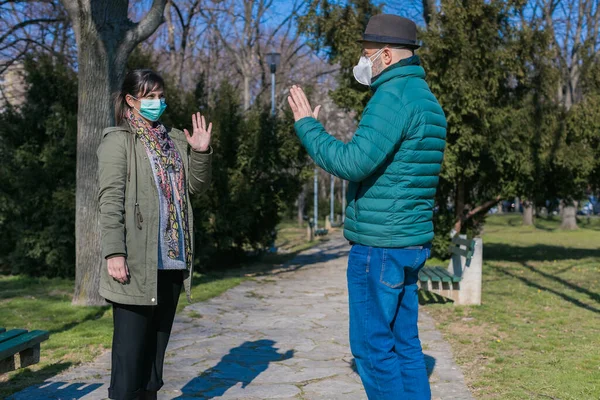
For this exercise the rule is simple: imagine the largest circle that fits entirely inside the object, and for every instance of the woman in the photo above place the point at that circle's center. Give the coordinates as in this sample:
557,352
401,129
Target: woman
146,175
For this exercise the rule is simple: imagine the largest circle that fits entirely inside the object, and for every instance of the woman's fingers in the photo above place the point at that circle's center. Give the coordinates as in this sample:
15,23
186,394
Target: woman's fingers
210,128
118,270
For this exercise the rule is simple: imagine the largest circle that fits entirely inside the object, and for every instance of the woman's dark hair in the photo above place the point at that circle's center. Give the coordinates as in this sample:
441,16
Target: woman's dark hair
138,83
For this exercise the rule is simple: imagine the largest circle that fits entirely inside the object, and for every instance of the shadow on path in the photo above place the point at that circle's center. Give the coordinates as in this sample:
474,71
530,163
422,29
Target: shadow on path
429,364
56,390
242,365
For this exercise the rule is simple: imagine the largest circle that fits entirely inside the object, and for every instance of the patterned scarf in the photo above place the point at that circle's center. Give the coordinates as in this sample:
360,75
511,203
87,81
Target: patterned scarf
169,175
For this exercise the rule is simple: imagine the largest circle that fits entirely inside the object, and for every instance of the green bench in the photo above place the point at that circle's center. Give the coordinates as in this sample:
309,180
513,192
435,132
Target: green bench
461,279
19,341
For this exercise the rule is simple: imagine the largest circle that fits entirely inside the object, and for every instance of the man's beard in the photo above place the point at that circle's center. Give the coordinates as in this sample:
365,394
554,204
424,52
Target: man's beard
377,67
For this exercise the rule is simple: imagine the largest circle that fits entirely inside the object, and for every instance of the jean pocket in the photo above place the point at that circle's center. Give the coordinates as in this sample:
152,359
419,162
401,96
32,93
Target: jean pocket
392,269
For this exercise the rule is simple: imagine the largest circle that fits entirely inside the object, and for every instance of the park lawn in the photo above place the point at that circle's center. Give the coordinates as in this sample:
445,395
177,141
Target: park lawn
537,333
79,334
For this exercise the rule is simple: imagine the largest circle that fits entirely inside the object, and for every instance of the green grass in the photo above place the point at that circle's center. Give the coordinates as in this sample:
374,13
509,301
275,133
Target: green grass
536,335
79,334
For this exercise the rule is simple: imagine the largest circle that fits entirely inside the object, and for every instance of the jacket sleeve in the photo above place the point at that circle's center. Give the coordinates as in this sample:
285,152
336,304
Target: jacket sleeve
379,134
200,173
112,175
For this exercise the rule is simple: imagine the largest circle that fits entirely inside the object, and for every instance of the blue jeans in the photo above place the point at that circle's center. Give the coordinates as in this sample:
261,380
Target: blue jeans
384,338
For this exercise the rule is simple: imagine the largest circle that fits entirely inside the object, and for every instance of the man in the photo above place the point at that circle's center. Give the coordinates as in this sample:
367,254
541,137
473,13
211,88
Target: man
393,164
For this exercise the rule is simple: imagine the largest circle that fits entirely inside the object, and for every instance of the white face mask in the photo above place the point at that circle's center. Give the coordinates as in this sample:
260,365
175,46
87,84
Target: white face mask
363,72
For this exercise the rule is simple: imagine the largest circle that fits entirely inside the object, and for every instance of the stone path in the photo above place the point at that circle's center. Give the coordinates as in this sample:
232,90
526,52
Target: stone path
283,336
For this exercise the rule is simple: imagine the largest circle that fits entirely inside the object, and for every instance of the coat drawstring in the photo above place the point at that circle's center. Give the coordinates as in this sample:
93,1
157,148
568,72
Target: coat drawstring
138,214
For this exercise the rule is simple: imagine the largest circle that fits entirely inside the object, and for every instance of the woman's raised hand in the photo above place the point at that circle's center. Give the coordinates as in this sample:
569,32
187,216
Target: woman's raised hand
199,140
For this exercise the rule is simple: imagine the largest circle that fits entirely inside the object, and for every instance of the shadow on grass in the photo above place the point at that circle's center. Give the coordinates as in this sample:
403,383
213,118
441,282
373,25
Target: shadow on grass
539,286
90,317
592,295
538,252
426,297
24,286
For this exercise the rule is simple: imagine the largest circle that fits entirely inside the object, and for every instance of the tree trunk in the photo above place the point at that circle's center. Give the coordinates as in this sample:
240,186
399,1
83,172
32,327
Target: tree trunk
428,10
105,38
94,114
527,213
246,93
569,217
459,204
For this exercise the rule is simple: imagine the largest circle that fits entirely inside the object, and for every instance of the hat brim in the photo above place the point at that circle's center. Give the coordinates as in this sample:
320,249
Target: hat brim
412,44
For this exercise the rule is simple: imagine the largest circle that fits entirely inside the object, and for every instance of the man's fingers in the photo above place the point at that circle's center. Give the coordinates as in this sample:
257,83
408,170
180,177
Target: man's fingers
298,100
304,99
316,112
294,108
292,104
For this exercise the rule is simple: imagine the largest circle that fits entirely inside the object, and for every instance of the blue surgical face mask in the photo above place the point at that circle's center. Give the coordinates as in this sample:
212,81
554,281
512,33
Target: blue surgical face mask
152,109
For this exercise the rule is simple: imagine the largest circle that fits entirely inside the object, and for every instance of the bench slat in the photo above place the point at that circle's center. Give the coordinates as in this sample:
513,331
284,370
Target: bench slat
22,342
443,274
423,277
11,334
432,276
431,272
443,277
2,330
452,278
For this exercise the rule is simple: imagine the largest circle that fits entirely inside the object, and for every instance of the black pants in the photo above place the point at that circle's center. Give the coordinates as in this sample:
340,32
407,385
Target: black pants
140,340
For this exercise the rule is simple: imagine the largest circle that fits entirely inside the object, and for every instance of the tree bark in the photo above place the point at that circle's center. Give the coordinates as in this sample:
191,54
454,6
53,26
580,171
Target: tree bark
569,217
527,213
246,92
428,10
459,206
105,38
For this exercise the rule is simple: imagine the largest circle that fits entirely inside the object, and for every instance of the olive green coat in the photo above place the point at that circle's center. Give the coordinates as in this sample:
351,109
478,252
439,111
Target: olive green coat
129,211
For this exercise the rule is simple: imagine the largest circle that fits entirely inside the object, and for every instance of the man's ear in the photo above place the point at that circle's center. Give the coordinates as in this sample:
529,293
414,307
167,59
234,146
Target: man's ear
388,56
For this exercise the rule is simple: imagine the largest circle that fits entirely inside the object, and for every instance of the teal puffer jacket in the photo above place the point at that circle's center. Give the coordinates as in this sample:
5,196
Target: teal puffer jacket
392,162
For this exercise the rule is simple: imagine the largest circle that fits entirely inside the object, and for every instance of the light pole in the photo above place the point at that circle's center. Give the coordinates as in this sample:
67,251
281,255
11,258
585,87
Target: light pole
316,198
273,61
331,199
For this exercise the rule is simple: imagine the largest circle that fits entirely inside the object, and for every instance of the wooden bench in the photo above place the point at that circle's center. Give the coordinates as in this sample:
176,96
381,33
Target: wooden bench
461,279
26,344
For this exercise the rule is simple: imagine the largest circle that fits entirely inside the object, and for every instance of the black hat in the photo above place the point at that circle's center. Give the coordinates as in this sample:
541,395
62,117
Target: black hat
391,29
